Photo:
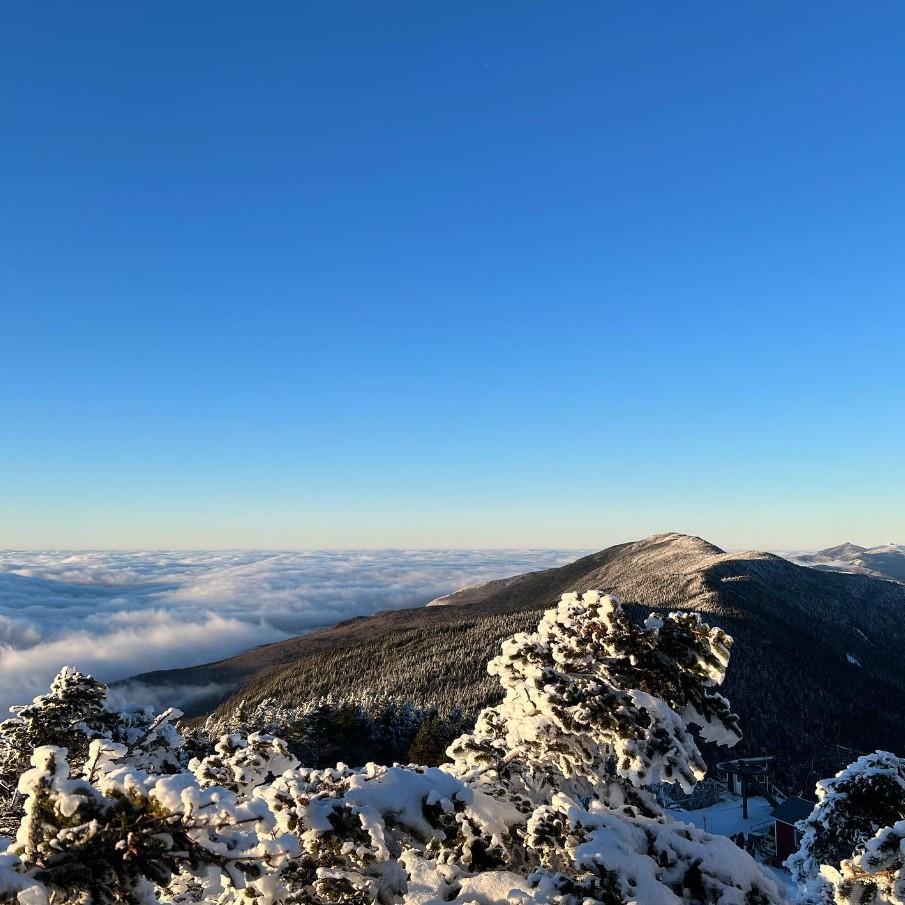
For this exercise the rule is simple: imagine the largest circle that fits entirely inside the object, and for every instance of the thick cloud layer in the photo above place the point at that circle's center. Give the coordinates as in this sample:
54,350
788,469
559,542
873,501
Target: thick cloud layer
115,614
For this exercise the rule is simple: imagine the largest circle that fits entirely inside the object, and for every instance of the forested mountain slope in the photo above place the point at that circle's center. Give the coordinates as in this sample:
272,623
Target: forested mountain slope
792,679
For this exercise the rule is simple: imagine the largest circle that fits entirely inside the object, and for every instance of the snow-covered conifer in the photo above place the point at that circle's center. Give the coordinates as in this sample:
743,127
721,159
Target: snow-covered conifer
59,717
848,840
591,693
875,875
73,713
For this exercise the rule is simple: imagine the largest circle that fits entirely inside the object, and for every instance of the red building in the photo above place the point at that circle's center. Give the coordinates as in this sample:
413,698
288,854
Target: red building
785,815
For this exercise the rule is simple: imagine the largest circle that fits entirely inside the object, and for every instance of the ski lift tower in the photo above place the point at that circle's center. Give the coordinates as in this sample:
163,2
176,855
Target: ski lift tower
748,776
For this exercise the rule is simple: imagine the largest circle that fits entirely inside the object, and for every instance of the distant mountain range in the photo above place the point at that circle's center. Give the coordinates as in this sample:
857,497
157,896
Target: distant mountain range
817,663
886,561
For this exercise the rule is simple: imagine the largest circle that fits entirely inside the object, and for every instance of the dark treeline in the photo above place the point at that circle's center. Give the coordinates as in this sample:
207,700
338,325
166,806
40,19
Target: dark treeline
330,731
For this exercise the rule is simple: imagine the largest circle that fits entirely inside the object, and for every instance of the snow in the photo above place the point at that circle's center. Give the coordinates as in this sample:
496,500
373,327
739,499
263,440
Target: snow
852,660
887,548
783,876
725,818
623,846
489,888
400,793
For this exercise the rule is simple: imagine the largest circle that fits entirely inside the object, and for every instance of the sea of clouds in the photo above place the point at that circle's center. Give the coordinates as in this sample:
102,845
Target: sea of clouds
115,614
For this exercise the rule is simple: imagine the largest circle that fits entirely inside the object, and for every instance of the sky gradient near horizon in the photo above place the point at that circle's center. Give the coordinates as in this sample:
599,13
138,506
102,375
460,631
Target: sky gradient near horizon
325,275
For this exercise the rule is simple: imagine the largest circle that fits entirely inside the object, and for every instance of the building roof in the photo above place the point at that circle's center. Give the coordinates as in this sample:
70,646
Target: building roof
792,810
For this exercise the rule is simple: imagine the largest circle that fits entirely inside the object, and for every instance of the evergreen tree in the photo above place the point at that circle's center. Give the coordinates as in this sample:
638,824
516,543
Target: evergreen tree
73,713
591,695
433,738
850,844
61,717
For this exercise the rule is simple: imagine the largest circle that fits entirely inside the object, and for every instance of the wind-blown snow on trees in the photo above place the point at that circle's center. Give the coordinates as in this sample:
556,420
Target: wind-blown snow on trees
545,802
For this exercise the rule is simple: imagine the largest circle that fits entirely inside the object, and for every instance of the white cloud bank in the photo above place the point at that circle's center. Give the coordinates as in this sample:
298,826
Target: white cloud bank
115,614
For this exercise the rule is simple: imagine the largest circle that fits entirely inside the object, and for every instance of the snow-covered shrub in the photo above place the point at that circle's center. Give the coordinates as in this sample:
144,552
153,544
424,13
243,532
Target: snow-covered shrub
851,847
355,825
612,857
151,739
242,762
116,838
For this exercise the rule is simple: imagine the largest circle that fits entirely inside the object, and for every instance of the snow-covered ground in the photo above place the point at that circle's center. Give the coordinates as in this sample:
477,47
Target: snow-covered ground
725,818
782,875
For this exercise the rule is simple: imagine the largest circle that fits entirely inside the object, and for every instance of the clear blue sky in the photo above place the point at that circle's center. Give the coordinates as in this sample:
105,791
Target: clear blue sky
328,274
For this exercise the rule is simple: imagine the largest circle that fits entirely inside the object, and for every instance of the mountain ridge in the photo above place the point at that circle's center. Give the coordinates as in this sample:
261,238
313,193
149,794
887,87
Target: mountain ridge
885,561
